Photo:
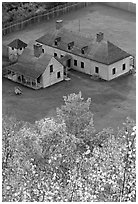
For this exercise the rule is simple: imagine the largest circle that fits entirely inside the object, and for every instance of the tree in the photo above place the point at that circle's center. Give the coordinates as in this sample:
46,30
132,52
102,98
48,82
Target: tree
45,161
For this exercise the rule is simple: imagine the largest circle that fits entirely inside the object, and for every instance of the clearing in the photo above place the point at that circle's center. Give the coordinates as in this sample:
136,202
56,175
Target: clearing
112,101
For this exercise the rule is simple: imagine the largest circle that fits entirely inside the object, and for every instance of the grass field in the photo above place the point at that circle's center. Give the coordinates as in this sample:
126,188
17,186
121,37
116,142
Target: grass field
112,101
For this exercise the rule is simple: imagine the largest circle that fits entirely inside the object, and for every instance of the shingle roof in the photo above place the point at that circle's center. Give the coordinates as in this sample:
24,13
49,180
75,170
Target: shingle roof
26,71
17,43
63,60
29,65
104,52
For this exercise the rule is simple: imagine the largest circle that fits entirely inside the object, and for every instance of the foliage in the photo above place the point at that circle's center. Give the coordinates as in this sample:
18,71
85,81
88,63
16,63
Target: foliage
17,11
51,160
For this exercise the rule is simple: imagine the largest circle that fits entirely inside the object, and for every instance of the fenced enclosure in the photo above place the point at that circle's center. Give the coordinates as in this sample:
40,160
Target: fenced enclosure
51,14
60,10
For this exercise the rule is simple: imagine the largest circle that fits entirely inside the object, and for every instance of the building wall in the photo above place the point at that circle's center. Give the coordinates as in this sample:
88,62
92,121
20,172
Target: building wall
118,66
89,65
15,51
48,78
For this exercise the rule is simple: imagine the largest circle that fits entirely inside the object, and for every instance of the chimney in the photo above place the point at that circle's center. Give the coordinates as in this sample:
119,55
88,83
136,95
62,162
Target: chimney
59,24
38,50
99,36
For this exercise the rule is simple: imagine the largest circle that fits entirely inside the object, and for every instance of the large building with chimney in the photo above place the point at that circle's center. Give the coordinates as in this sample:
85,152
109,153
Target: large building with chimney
93,56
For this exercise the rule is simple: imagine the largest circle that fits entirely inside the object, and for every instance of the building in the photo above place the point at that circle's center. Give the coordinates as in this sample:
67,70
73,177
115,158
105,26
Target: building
15,49
36,69
93,56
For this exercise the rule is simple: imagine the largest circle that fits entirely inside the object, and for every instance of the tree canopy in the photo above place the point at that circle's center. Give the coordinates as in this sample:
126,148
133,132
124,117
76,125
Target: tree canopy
65,159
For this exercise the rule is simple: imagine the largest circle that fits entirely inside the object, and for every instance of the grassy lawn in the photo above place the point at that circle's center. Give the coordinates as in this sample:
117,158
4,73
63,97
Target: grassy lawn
112,101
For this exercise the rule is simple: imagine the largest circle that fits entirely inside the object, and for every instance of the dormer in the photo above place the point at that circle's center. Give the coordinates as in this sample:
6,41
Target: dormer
57,40
70,45
84,49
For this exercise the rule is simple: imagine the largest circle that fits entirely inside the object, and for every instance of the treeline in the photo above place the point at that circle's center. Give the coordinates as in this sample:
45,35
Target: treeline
65,159
13,12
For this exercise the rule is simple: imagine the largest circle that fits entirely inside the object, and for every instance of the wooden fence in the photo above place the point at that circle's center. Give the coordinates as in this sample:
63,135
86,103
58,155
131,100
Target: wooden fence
51,14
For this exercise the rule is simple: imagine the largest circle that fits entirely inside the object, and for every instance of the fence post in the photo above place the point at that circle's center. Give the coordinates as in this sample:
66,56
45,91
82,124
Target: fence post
52,13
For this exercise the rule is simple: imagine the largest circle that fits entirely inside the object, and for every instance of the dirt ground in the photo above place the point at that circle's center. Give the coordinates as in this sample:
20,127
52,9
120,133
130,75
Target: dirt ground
112,101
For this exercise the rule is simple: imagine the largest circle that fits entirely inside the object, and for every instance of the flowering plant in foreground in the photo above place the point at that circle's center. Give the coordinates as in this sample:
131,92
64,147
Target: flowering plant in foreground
62,160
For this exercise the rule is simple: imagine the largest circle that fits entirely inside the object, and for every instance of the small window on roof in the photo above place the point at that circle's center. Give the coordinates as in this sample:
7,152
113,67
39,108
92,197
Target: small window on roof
56,42
69,47
82,51
55,54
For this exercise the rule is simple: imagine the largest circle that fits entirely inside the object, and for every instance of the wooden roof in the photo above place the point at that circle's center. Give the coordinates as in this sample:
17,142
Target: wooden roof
17,43
103,52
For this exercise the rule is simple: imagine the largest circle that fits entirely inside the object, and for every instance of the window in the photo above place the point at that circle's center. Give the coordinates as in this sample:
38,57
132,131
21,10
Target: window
20,48
51,68
96,70
55,54
82,64
69,47
75,62
42,50
113,71
61,56
58,75
82,51
56,42
12,48
124,67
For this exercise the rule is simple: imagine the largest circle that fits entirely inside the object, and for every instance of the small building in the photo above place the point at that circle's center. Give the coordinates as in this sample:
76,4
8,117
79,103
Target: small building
15,49
93,56
36,69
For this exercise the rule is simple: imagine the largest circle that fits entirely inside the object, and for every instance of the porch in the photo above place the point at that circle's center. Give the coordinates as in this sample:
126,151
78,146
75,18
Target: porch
24,80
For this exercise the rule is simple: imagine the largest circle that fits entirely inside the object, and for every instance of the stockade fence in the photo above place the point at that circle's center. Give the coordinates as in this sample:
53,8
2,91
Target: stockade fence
51,14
